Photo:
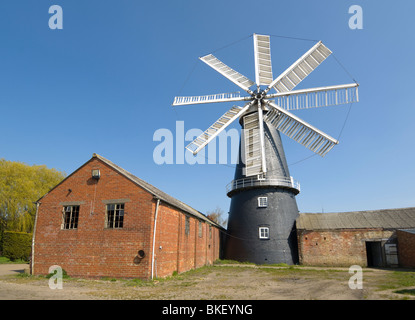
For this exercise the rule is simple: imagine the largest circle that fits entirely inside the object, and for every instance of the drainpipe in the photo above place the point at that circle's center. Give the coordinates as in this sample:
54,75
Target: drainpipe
32,262
154,238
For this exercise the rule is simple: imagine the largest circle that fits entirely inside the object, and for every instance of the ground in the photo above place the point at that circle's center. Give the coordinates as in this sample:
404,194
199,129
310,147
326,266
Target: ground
224,282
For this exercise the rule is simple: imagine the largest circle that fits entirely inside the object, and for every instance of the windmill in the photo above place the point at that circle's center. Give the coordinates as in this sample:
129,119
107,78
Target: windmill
263,208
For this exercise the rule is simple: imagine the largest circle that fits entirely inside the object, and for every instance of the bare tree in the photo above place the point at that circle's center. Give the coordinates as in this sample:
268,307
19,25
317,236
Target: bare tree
217,216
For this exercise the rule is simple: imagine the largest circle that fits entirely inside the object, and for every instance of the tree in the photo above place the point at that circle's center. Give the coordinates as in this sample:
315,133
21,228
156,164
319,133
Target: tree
20,186
216,215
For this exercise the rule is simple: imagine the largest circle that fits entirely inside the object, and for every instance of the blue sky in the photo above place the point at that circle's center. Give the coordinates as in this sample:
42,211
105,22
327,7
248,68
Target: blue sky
105,83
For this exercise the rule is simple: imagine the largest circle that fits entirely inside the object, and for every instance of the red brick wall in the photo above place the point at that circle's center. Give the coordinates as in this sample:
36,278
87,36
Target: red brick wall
177,251
406,249
92,250
337,247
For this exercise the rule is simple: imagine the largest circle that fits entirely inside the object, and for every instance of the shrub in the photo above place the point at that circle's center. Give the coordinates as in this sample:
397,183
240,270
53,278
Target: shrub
64,274
17,245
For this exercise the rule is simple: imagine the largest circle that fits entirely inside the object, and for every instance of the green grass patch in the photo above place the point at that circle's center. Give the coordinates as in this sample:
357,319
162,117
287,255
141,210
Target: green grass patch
108,279
404,278
398,279
226,261
23,275
4,260
137,282
282,265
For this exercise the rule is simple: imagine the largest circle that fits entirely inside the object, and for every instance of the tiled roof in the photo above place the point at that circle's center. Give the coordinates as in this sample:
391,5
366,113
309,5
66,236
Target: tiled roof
157,192
403,218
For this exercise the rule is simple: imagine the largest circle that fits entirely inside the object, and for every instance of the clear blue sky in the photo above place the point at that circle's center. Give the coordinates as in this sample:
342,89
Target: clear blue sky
105,83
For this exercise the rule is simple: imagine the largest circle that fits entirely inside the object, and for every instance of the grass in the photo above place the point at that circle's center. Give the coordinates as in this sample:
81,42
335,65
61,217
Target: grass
53,273
398,279
108,279
225,261
4,260
140,283
179,278
405,278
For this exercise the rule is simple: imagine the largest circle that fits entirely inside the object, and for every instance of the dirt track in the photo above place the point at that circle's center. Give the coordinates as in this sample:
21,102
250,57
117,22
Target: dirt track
7,269
216,282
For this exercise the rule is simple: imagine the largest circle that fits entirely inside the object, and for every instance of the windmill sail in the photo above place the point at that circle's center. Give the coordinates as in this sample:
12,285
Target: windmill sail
252,146
299,130
278,115
263,67
231,115
237,78
211,98
298,71
317,97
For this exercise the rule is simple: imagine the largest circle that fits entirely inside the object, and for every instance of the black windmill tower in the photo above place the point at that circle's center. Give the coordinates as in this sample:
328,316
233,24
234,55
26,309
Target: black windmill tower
263,210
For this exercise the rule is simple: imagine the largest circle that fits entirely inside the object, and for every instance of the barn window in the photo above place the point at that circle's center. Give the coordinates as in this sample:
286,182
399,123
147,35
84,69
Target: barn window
70,217
263,232
262,202
115,215
200,229
187,226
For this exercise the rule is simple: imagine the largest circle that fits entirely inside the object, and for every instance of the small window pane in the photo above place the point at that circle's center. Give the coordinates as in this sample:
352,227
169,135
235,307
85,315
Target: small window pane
115,215
70,217
187,226
263,202
200,229
264,233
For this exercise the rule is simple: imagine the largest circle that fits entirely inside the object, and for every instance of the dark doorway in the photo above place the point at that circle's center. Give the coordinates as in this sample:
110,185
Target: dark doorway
374,254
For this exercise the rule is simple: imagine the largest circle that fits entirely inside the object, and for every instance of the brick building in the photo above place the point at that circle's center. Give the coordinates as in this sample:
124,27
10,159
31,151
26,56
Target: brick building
406,247
103,221
365,238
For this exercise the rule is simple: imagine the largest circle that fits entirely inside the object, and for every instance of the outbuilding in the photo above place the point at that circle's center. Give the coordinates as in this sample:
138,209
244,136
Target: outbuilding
406,246
364,238
102,221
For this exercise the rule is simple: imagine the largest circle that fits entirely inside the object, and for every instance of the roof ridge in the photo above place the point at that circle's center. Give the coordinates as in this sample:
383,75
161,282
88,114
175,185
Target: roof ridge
386,219
360,211
155,191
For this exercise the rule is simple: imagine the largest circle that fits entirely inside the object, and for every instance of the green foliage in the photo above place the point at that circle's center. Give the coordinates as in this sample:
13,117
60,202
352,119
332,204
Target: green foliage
64,274
4,260
20,186
17,245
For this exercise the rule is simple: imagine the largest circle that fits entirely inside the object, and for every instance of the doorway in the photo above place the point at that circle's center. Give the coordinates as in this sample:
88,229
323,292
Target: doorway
374,254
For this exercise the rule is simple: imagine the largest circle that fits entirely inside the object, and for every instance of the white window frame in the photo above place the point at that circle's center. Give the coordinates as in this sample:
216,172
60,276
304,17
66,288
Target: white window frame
263,232
262,202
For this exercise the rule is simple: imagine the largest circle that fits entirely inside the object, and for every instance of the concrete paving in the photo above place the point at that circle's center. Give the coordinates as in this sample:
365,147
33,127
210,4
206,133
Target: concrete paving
7,269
